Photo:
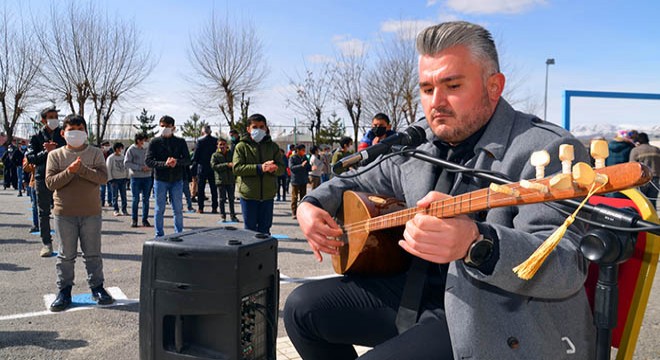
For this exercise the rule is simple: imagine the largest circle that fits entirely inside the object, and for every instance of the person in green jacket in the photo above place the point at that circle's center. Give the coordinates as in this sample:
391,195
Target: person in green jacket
221,163
258,163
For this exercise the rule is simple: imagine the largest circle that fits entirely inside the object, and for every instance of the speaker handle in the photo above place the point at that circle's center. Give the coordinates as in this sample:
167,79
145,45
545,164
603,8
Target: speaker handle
178,334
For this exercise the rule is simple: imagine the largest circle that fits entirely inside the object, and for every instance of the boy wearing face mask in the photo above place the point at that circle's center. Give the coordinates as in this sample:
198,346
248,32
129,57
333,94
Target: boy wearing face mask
221,163
107,151
141,178
46,140
74,172
117,177
258,163
168,155
300,169
380,129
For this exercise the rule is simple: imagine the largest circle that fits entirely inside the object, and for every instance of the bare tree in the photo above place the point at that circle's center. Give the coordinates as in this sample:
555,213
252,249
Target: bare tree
516,91
228,64
126,65
68,59
92,57
348,86
19,66
392,86
311,95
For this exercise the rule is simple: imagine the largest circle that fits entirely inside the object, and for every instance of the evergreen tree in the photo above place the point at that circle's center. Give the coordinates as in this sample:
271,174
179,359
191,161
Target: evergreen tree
146,124
331,132
241,123
192,128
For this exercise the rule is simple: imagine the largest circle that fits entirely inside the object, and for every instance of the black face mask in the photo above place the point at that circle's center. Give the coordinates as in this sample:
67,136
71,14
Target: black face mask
379,130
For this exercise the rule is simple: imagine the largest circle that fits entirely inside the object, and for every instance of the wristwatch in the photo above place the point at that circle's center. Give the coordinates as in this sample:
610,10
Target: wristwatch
481,249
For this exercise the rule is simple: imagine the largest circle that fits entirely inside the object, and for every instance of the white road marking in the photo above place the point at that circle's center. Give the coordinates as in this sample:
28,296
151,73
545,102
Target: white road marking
120,300
288,280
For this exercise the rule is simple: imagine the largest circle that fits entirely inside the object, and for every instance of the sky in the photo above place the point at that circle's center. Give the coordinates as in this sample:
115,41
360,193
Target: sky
597,46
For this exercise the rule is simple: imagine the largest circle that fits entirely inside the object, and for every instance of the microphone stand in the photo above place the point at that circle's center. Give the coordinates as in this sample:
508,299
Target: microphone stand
606,248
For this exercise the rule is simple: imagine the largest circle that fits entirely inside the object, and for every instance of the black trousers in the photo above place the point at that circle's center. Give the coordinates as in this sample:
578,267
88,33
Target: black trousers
227,193
202,179
325,318
44,203
282,185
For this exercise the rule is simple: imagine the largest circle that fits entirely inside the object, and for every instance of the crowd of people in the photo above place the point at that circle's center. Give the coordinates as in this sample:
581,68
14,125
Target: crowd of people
467,294
71,180
631,146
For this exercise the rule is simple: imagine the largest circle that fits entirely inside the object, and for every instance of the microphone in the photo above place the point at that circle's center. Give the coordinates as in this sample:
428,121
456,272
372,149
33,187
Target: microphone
412,136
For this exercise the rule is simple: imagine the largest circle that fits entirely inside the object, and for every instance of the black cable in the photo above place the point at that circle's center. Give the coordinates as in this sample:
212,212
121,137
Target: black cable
409,151
261,309
600,225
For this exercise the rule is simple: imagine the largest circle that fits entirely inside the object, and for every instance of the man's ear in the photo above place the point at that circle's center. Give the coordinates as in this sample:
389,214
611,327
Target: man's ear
495,86
62,132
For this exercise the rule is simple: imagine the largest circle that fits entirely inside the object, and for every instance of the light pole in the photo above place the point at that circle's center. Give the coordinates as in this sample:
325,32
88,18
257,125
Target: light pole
548,62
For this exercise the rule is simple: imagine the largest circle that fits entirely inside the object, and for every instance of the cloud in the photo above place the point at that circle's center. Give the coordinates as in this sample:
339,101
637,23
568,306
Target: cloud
407,29
349,46
492,6
319,59
431,2
448,17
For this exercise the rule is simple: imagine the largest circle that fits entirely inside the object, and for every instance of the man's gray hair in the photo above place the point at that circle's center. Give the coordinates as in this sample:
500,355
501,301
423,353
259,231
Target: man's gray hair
206,129
478,40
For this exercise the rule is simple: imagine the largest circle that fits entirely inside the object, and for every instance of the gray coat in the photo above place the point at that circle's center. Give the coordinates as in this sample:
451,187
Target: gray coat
500,316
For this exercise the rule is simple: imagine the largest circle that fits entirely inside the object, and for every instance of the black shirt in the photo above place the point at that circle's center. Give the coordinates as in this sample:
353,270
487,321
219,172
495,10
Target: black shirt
160,149
36,152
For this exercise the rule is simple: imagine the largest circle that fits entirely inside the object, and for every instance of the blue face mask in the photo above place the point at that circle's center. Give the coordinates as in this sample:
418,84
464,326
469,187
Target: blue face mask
24,147
258,134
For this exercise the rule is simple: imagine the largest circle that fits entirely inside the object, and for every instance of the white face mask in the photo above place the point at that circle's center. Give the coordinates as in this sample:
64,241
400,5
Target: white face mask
75,138
53,123
258,134
166,132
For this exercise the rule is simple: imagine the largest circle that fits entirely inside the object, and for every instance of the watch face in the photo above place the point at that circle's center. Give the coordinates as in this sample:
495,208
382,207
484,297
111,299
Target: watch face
481,251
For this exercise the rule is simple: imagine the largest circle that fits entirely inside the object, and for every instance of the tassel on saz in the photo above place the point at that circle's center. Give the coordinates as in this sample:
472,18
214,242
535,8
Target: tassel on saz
529,267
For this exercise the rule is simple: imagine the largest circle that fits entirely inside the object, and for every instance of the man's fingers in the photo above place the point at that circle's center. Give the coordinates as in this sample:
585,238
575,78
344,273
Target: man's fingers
317,254
323,241
332,224
421,246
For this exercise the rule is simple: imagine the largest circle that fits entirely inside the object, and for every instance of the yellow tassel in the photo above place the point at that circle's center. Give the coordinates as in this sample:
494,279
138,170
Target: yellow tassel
529,267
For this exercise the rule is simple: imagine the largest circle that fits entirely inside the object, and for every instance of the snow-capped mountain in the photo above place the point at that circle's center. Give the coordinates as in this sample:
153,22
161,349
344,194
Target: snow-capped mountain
608,131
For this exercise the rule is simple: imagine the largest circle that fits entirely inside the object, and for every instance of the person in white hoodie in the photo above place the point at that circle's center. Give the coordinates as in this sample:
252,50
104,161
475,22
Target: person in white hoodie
117,177
141,178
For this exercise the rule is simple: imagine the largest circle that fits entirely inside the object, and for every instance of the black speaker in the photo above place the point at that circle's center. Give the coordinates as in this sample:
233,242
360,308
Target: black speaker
209,294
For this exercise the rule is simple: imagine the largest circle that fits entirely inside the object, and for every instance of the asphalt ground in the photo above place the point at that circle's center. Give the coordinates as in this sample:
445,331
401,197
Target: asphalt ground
29,331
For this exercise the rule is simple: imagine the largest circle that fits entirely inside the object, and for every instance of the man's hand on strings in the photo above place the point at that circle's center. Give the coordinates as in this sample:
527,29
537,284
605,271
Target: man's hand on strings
438,240
320,230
